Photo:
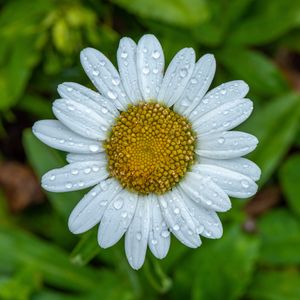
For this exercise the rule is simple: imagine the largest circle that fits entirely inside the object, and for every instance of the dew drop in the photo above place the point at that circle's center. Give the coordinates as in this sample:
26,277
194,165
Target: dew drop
95,72
118,204
176,227
176,211
124,214
165,233
124,54
183,72
68,185
94,148
103,185
223,92
146,70
155,54
74,172
221,140
95,168
52,177
69,89
194,80
245,183
111,95
138,236
104,110
87,170
154,242
115,81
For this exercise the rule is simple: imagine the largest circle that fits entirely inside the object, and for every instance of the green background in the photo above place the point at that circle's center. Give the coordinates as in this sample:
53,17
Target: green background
259,255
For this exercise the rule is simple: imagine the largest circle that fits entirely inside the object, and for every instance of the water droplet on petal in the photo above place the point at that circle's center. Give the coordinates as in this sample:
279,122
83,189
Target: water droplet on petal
94,148
104,110
124,54
183,72
68,185
52,177
87,170
74,172
221,140
245,183
138,236
154,242
176,227
155,54
95,72
146,70
165,233
118,204
111,95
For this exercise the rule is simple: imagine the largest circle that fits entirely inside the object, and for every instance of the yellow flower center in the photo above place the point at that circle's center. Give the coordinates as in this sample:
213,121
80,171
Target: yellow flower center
150,148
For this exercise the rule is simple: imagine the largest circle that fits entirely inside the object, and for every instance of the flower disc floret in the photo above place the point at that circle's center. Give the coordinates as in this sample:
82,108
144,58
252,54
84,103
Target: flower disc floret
150,148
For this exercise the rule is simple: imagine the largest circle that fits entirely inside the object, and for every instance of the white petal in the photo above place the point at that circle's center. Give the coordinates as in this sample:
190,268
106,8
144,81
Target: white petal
89,211
74,176
178,218
126,56
116,218
223,93
239,165
177,76
136,237
150,66
224,145
233,183
159,236
205,192
104,76
54,134
77,92
208,222
81,119
74,157
198,85
225,117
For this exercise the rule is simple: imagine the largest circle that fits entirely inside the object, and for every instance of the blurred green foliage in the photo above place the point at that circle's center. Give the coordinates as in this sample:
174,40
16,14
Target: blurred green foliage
40,43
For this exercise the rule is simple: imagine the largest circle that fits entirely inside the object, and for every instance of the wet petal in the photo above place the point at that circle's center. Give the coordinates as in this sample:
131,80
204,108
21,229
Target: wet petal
136,237
73,177
150,66
224,145
177,76
116,218
54,134
104,76
89,211
128,70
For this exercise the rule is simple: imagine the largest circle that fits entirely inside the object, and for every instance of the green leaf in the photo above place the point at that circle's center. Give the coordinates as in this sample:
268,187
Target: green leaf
20,46
19,249
20,286
270,20
185,13
36,105
43,158
275,285
275,125
279,231
86,249
290,179
220,270
258,71
223,16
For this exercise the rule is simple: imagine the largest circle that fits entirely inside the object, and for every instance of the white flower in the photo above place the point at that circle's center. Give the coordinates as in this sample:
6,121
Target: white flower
158,148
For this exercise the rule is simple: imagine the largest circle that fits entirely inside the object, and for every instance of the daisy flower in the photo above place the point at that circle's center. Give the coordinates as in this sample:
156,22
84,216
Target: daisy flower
157,147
